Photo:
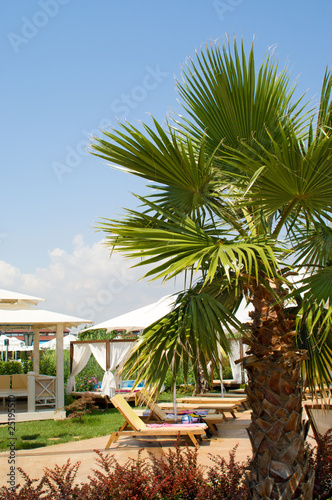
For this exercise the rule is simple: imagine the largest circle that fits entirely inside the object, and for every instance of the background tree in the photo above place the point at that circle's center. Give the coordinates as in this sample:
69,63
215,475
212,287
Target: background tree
241,202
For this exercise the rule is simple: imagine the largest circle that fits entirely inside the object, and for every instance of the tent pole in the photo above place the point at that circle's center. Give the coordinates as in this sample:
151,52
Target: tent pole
220,372
175,409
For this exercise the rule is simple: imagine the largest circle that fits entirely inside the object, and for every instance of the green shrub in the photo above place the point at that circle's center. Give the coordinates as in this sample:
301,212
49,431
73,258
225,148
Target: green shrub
47,363
91,370
26,363
84,383
10,367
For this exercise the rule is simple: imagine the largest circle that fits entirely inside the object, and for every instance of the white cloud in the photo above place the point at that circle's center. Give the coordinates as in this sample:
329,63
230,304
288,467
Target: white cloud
86,283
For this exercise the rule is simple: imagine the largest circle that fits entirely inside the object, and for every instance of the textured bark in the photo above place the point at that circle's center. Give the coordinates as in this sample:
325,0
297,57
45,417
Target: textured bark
202,385
279,468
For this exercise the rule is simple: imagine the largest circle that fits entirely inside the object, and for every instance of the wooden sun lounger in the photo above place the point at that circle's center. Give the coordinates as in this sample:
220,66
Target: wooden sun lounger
215,400
218,408
159,415
140,428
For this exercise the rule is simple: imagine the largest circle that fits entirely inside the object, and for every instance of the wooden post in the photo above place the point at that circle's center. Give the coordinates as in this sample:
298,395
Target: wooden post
71,356
60,385
36,350
108,354
31,392
241,356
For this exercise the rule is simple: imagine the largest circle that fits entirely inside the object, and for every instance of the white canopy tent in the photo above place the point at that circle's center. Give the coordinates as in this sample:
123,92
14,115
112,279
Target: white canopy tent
51,344
109,354
135,320
19,310
14,344
10,344
139,318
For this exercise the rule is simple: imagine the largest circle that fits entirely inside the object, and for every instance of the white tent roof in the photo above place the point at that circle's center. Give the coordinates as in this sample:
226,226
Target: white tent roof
6,296
139,318
38,317
15,344
51,344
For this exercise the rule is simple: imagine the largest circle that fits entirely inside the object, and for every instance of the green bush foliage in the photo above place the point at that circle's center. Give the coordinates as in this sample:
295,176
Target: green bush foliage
47,366
47,363
26,363
91,371
10,367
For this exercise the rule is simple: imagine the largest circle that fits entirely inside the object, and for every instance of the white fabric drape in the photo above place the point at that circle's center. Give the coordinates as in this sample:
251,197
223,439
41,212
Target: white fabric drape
119,352
82,353
99,352
236,368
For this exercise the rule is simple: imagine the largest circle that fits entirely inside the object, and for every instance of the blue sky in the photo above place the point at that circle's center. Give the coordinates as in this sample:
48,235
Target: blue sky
71,67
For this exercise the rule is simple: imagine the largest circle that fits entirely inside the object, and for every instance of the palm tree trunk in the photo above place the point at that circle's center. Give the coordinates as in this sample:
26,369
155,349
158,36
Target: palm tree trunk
202,385
279,468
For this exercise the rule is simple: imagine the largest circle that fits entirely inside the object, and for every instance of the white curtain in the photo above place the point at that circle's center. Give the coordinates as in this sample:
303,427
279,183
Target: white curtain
82,353
99,352
119,352
236,368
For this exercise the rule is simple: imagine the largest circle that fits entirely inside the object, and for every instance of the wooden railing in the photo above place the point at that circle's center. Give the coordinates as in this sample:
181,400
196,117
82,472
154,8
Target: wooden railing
41,391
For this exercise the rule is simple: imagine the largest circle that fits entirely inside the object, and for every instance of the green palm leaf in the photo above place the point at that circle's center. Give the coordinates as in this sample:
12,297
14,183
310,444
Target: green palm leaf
227,99
287,179
177,243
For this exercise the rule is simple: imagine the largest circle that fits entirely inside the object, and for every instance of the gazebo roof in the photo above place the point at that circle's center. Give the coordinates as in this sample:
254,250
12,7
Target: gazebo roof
17,309
8,297
37,317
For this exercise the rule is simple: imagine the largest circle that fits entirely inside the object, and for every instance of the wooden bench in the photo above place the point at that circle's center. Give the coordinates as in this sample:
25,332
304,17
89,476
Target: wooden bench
13,385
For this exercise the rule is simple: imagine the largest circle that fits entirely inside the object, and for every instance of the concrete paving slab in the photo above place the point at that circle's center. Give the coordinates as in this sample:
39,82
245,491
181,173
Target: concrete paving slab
34,461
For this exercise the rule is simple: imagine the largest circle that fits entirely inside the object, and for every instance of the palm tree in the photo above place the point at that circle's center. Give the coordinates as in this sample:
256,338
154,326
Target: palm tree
240,202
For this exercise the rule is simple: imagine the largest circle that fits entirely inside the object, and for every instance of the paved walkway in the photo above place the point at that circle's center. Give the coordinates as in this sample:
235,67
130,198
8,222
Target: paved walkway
34,461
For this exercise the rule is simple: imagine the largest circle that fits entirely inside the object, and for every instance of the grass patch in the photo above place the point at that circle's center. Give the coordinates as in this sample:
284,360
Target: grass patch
40,433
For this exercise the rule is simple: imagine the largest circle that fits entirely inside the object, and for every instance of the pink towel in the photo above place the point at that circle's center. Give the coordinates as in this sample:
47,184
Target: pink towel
179,426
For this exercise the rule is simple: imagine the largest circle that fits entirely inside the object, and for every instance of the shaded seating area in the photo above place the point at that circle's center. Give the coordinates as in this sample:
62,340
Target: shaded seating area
110,355
13,385
194,432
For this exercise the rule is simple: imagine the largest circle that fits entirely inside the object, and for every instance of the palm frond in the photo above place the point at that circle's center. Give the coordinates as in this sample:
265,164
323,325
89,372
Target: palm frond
285,180
227,99
312,244
177,243
324,119
314,327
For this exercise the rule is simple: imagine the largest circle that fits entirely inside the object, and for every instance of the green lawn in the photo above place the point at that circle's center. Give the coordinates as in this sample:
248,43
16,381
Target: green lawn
48,432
